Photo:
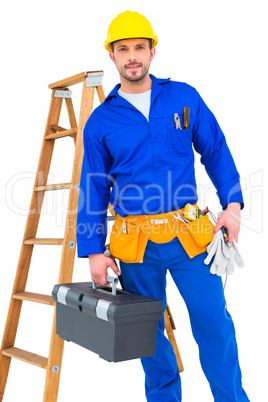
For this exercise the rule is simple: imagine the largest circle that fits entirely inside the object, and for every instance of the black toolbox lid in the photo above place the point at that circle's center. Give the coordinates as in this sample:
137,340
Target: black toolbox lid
121,308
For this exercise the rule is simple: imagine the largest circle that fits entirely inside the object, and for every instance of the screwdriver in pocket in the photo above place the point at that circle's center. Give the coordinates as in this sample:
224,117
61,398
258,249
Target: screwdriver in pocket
186,118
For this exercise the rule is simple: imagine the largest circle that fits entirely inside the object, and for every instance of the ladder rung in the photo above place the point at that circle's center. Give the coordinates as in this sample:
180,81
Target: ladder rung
53,187
25,356
45,241
60,134
34,297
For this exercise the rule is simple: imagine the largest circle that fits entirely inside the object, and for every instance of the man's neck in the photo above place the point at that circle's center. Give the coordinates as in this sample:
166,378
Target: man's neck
136,87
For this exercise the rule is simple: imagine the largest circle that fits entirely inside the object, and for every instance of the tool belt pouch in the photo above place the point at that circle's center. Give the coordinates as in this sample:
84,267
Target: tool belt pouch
196,235
128,247
201,230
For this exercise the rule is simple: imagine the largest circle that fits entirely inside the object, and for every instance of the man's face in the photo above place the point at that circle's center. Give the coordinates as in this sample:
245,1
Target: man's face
132,58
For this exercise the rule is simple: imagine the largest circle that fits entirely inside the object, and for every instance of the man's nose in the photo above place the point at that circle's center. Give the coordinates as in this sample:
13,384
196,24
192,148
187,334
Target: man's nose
132,57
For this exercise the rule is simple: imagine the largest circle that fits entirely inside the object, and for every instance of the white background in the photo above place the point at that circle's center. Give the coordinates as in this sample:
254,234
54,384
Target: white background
219,47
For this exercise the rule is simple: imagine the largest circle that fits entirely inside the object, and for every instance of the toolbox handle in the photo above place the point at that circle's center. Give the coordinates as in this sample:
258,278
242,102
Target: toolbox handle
109,279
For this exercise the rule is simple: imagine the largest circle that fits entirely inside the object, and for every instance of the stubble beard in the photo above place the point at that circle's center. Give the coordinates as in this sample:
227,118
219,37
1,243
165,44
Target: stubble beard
134,76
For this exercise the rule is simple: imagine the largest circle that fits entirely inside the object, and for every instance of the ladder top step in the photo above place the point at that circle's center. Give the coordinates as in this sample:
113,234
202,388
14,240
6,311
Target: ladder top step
75,79
26,357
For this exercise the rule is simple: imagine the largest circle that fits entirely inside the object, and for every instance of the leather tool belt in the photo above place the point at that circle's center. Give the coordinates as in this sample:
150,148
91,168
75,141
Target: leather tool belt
129,235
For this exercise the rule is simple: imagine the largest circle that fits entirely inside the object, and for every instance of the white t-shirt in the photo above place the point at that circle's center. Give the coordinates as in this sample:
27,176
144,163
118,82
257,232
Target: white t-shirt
141,101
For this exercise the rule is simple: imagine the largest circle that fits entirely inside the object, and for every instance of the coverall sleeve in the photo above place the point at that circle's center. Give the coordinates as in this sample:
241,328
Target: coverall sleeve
209,141
94,195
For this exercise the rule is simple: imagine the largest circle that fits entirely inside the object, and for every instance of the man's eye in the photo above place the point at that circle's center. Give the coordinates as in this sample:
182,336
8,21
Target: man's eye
122,49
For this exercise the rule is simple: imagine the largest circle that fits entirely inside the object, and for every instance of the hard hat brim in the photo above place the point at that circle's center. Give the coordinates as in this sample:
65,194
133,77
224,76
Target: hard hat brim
108,47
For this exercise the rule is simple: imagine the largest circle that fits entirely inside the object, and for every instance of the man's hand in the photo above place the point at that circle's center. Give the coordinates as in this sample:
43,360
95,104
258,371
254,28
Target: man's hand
98,266
230,219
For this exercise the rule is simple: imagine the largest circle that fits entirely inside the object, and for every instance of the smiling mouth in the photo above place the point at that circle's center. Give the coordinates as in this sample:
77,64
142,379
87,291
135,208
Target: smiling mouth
133,67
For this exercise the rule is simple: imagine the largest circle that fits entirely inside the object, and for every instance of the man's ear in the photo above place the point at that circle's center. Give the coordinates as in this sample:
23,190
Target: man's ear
111,54
153,50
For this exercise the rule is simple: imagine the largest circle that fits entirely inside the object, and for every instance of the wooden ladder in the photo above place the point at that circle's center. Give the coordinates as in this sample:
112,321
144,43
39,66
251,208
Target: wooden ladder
52,364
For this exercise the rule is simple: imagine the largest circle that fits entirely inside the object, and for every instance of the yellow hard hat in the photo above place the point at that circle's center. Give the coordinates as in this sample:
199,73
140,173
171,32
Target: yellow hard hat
129,25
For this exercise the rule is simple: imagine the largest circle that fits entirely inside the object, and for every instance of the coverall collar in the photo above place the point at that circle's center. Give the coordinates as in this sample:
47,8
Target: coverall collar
156,88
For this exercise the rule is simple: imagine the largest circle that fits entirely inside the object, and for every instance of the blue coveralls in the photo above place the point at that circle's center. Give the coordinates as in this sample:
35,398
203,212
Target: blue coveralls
143,167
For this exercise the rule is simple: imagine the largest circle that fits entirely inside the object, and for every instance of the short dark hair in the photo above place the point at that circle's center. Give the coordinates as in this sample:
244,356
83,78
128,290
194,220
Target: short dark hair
150,43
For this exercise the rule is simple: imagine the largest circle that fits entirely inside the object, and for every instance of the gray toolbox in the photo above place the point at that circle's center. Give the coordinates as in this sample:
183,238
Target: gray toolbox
116,324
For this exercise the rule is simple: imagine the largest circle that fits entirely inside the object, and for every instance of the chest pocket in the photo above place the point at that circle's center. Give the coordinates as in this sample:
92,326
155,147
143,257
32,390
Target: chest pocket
179,141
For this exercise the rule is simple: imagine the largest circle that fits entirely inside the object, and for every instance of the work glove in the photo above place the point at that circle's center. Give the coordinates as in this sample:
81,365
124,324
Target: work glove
235,258
225,254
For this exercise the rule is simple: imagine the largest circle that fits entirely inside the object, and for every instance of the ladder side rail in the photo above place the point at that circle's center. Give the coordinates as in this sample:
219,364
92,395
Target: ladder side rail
69,247
71,114
27,250
100,93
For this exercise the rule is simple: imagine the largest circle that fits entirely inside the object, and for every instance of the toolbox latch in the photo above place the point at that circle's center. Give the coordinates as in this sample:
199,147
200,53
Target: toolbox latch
61,294
102,309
